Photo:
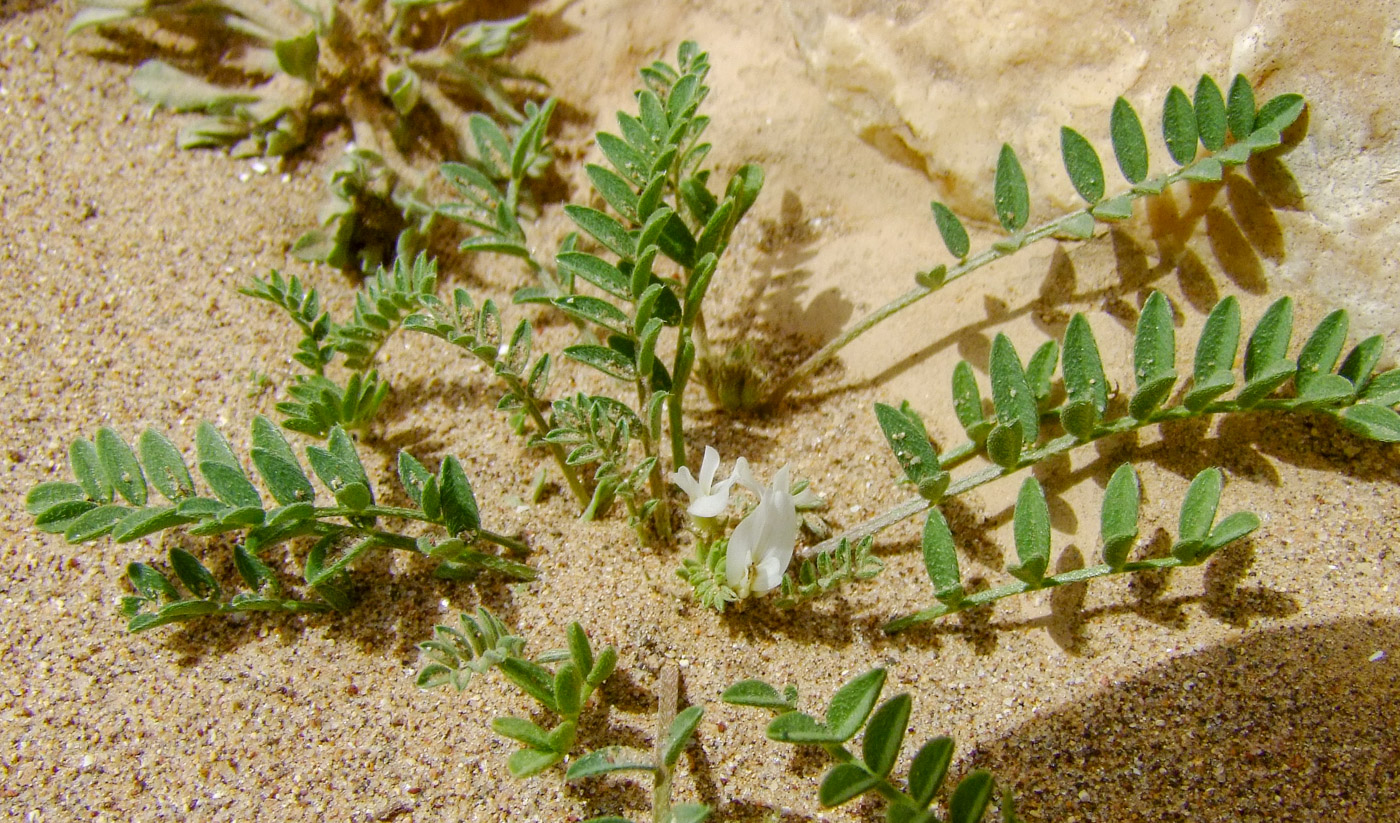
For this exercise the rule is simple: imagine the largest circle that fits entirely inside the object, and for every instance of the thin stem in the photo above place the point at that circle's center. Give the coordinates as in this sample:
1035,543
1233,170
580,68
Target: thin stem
532,408
999,249
1030,457
1021,587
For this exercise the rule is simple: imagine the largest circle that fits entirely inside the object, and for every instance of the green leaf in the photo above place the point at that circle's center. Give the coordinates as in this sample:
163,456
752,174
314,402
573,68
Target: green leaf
119,464
1129,141
951,229
1118,520
967,402
1154,356
1032,530
1011,393
845,782
1013,199
1383,389
413,476
1324,346
297,56
1179,126
53,495
1199,507
93,522
1210,113
602,667
851,704
1115,208
605,360
941,559
629,162
970,798
596,311
530,762
1269,342
682,727
278,465
1083,165
929,768
165,467
257,574
532,678
1239,111
913,451
1040,370
1086,386
194,575
1215,352
1232,528
568,690
1279,113
604,229
144,521
1372,421
459,510
87,468
597,271
579,649
884,734
522,731
755,693
221,469
606,760
689,813
1004,444
1361,361
150,584
617,192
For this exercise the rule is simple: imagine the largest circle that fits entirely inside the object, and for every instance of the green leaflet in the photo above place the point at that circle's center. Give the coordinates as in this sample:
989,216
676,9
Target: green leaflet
1031,526
1154,356
1179,126
941,559
950,228
1119,516
1239,111
1129,141
1012,198
1011,393
1083,165
1211,123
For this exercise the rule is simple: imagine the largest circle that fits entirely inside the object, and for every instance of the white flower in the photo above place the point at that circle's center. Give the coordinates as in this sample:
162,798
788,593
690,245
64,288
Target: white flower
707,498
761,546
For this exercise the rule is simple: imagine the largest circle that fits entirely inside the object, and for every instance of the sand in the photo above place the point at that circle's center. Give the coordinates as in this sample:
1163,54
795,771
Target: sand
1261,686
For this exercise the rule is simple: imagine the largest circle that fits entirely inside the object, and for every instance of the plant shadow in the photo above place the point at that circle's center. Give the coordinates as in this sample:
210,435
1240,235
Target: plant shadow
1294,718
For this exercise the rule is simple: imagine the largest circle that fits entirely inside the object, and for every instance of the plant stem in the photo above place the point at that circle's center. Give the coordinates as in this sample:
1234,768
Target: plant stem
1030,457
1021,587
532,408
930,283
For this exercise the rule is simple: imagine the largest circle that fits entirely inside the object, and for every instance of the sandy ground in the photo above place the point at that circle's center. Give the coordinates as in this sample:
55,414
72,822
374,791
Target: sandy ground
1261,687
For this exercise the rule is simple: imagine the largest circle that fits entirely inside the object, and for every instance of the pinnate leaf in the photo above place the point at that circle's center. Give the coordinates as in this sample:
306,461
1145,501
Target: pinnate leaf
1083,165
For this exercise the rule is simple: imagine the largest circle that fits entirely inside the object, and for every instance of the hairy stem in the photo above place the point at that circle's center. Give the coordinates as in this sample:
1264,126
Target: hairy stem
1021,587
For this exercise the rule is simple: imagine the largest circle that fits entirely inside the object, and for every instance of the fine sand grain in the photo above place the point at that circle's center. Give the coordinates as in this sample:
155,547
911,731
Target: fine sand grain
1262,686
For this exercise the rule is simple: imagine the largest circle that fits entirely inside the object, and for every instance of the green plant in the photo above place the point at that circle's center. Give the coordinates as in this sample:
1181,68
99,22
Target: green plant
850,711
392,70
112,498
481,643
1230,132
1020,432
